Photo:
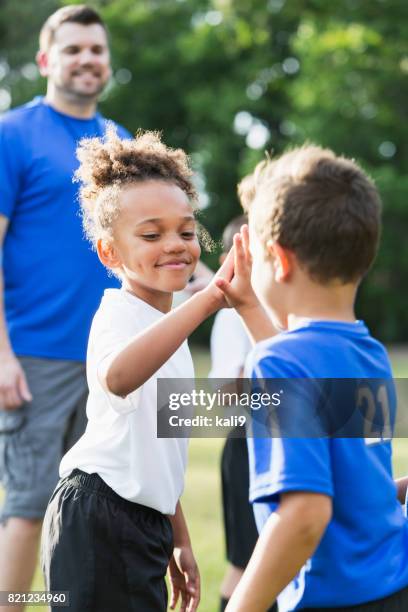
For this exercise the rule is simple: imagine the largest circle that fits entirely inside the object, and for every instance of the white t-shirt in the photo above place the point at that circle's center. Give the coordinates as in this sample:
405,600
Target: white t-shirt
230,345
120,442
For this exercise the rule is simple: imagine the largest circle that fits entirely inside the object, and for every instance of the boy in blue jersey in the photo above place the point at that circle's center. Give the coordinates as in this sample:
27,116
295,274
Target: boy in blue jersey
332,532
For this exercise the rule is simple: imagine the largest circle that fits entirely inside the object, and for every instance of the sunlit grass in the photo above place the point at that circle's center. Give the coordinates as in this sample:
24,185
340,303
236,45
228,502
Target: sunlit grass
202,499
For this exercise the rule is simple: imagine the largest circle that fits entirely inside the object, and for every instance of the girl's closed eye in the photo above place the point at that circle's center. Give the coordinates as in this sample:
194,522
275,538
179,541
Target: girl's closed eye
150,236
189,235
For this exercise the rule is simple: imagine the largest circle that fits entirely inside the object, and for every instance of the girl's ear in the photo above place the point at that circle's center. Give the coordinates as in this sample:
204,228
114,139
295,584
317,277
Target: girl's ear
282,260
107,254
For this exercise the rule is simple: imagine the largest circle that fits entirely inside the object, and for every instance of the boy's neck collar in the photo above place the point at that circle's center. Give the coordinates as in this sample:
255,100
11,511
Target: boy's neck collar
295,322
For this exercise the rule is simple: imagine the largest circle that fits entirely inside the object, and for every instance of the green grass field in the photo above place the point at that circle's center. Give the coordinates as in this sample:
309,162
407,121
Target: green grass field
202,504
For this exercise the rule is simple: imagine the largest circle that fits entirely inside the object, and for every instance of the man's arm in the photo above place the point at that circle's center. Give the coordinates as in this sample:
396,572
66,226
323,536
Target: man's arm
287,541
4,339
183,571
402,485
13,385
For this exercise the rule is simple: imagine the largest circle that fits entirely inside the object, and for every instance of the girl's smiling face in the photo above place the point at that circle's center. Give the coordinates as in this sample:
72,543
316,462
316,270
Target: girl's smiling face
155,246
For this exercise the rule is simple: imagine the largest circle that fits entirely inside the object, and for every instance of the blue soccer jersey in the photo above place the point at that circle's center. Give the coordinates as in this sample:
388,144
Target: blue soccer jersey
53,281
363,555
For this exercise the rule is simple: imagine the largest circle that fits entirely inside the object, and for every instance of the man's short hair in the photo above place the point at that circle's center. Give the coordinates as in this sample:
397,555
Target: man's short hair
321,207
73,13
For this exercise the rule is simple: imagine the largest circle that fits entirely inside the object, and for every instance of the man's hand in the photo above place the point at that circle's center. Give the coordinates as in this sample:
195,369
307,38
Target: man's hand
13,384
184,579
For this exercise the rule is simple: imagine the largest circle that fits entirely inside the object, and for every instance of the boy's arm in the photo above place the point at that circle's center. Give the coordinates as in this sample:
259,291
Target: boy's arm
257,322
183,571
402,485
240,295
287,541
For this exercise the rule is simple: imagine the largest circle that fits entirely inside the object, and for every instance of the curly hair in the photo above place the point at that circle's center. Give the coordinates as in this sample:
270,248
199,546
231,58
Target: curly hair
108,164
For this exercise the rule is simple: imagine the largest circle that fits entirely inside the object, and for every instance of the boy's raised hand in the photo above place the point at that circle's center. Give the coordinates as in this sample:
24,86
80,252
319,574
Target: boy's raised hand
235,280
184,579
231,287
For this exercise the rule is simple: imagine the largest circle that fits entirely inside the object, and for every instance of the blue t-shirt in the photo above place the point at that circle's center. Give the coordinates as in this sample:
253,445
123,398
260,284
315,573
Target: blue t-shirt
53,279
363,555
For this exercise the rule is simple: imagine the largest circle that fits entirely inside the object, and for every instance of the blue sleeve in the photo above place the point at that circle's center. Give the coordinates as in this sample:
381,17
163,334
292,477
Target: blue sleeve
281,464
11,168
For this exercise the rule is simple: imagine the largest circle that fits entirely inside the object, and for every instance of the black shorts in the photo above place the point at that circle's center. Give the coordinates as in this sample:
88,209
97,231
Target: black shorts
109,553
398,602
241,533
240,529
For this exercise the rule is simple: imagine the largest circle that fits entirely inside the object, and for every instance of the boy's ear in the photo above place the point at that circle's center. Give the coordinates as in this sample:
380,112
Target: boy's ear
42,63
107,254
282,260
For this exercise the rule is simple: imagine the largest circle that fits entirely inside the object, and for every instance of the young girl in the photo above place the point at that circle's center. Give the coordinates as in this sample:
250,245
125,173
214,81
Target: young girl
114,524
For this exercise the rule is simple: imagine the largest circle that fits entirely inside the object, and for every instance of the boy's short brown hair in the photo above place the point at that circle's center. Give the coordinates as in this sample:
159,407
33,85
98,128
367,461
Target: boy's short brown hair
321,207
73,13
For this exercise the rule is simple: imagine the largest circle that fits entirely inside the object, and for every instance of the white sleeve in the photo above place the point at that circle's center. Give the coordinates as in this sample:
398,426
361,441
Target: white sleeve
107,345
230,345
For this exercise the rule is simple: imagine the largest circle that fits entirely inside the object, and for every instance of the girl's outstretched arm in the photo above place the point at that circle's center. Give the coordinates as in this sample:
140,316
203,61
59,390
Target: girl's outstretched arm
151,348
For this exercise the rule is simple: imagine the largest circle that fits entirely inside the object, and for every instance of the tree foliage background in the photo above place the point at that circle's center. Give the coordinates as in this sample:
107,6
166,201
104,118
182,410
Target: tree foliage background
229,79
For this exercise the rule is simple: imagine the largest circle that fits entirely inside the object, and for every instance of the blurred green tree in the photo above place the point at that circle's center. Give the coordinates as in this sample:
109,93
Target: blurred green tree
351,94
229,79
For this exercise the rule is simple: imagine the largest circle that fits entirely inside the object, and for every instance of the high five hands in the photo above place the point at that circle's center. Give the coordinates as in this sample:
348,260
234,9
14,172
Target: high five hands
234,276
233,279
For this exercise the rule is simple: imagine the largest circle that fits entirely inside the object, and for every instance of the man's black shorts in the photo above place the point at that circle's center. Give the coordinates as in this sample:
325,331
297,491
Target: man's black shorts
109,553
398,602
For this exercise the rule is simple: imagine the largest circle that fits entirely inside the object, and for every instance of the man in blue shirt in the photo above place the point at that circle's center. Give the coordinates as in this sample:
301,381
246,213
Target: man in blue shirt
332,532
50,281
